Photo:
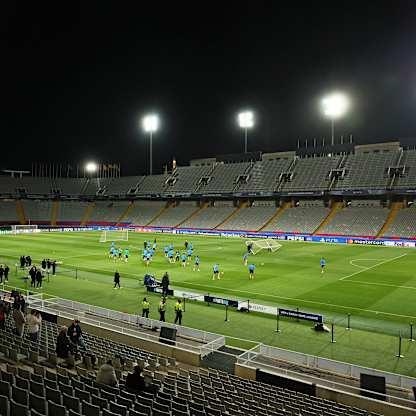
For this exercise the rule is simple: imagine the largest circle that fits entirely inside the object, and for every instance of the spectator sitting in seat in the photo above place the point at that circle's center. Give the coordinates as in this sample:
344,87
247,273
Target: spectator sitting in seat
63,344
106,375
135,381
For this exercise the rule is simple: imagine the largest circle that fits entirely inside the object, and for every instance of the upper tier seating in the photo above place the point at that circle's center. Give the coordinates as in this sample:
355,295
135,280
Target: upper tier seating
404,225
408,180
251,218
144,211
187,178
264,176
211,216
367,170
361,218
70,186
224,177
37,210
311,174
154,184
122,185
303,219
8,212
175,215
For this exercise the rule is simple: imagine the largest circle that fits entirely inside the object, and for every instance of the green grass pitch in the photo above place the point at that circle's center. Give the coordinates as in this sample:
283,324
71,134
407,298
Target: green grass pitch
376,285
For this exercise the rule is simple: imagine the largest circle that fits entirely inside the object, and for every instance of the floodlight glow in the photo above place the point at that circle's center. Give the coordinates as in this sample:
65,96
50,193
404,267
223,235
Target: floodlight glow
150,123
91,167
246,119
335,105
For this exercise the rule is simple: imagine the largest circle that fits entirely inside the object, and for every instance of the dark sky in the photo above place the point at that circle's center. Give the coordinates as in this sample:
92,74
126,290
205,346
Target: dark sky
78,75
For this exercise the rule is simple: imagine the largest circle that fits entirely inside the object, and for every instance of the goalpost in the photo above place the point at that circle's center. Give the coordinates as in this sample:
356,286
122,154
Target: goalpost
265,244
121,234
28,228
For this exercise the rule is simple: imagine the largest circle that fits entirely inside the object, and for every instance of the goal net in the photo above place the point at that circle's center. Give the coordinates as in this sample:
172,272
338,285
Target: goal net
20,229
266,244
114,235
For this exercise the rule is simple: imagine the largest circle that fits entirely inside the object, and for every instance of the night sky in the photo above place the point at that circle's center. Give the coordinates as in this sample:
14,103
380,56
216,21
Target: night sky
77,76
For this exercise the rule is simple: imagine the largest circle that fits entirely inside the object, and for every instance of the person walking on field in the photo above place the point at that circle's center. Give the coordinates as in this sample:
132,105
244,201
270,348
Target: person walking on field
117,280
178,312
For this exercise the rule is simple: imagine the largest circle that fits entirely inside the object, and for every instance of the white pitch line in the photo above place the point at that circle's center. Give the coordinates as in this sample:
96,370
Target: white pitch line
352,262
301,300
372,267
382,284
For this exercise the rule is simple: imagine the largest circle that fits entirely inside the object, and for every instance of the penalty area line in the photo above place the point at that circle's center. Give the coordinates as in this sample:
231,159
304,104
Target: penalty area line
372,267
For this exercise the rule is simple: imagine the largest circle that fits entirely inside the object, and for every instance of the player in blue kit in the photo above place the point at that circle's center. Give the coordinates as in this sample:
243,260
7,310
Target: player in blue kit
196,264
183,259
216,272
322,263
170,256
251,269
245,259
126,254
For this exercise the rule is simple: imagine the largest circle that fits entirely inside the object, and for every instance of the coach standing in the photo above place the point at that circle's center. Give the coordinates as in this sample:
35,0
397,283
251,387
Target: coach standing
117,280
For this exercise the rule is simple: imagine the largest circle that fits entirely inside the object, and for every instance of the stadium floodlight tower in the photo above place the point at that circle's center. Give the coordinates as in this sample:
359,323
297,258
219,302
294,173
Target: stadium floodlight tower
245,121
334,106
91,168
150,124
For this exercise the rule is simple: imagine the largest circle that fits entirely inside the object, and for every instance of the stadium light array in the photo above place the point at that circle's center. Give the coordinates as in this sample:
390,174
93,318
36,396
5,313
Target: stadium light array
334,106
150,124
245,121
91,167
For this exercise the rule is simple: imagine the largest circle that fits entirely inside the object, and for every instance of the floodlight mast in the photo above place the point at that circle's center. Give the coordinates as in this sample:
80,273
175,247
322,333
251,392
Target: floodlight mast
245,121
150,124
335,106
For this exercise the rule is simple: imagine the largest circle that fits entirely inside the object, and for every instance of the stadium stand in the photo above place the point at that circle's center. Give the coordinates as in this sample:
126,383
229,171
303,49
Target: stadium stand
404,225
8,212
311,174
121,186
304,218
373,176
408,178
186,179
265,175
71,211
224,177
211,216
108,211
34,186
154,184
175,214
143,212
360,218
252,217
37,210
69,186
7,185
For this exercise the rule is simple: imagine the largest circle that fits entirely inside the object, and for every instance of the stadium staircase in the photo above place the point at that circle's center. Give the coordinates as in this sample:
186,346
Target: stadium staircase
394,209
20,211
87,214
125,213
290,169
55,212
277,214
196,212
336,207
235,212
160,212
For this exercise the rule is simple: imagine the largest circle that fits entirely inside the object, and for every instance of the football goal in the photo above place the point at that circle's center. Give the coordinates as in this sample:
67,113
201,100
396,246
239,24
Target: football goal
266,244
27,228
114,235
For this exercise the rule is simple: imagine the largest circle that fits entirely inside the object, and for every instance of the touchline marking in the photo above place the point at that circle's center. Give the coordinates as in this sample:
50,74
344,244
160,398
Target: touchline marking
372,267
301,300
382,284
